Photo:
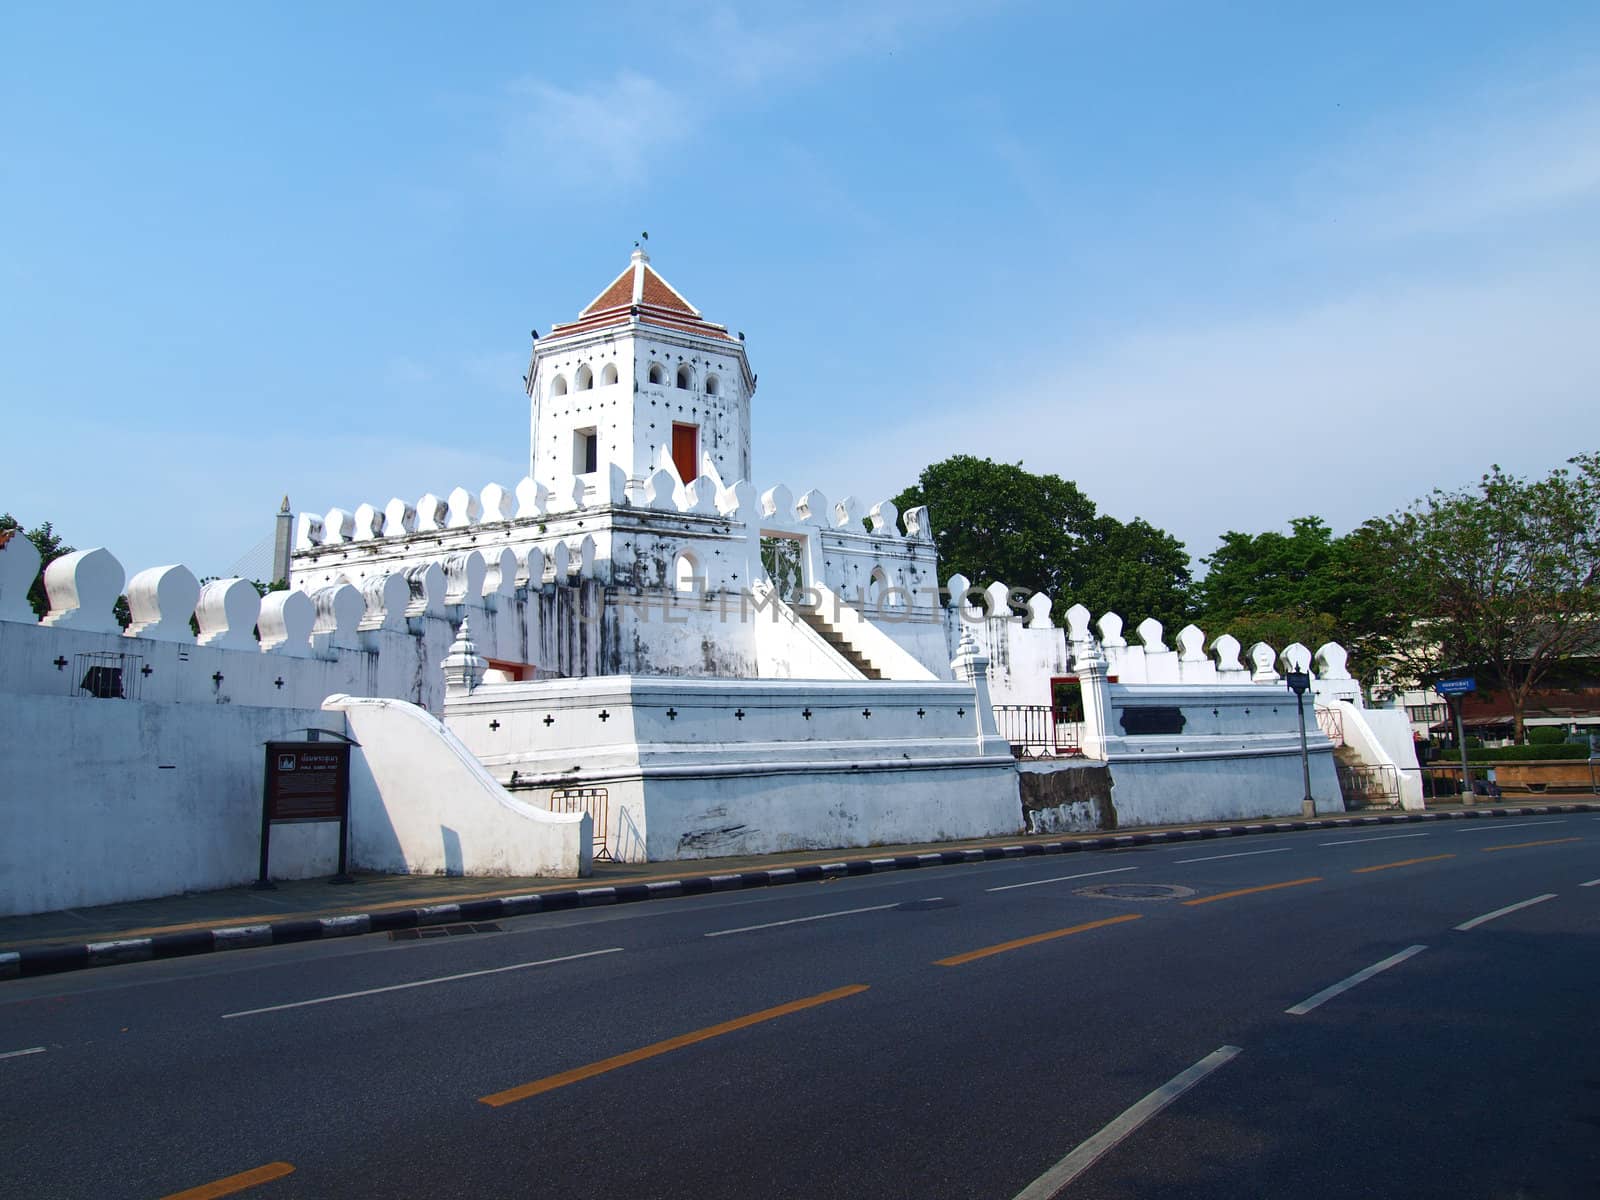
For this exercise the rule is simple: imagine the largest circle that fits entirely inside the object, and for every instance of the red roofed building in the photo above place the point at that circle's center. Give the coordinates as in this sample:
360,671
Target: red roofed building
640,375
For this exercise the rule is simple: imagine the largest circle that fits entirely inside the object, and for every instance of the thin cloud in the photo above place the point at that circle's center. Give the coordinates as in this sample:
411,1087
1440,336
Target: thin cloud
1506,155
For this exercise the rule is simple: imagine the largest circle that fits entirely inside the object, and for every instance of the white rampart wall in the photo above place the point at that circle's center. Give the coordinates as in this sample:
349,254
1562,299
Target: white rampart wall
420,803
107,800
701,767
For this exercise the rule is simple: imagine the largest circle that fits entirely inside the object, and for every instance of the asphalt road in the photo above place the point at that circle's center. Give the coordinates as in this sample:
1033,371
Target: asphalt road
983,1030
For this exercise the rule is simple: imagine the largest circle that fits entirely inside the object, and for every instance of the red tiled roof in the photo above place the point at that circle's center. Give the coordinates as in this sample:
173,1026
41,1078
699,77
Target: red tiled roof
639,293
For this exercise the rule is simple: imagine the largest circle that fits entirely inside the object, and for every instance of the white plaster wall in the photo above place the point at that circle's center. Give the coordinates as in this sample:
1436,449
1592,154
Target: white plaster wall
836,752
111,800
1382,737
420,803
1167,790
787,810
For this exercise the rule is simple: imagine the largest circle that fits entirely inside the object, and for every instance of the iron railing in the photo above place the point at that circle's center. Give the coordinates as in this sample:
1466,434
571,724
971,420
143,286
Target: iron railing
1034,731
593,801
1331,722
1369,786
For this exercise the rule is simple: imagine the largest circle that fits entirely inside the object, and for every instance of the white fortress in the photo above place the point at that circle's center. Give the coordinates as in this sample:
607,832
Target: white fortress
633,652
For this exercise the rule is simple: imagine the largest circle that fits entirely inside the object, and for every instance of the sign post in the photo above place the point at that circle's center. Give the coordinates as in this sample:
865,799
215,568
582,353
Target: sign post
303,782
1299,682
1452,690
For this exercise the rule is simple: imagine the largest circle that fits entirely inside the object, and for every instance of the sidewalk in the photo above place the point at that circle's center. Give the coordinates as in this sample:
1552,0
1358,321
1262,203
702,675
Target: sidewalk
303,910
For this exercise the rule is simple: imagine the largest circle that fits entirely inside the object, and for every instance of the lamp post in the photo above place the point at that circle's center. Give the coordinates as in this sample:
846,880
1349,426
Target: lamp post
1299,682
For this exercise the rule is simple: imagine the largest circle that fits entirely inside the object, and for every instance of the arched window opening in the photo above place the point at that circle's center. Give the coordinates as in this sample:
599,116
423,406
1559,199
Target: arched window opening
658,373
713,385
558,386
608,373
585,378
686,574
876,587
685,376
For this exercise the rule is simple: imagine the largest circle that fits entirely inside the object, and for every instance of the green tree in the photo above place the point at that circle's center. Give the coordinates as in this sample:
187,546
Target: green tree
997,521
50,548
1502,578
1304,586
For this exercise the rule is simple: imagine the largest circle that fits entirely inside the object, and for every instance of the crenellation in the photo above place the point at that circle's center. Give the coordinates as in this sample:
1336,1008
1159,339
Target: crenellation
161,600
338,610
386,597
433,514
338,527
426,584
226,613
496,504
19,567
464,575
286,619
463,509
884,517
83,588
399,518
370,522
308,531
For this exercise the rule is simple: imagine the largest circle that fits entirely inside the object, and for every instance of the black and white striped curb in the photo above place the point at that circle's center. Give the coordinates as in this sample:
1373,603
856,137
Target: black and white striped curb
47,960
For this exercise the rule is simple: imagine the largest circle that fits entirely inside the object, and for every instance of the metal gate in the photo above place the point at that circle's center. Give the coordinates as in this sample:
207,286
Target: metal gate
593,801
1369,786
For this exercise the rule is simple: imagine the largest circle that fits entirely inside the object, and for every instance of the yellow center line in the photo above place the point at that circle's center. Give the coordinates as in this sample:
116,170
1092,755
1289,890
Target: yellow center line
550,1082
234,1183
1520,845
956,960
1404,862
1250,891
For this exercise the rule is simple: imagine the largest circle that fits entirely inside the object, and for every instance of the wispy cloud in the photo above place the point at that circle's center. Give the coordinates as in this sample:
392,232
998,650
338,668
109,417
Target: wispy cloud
619,125
1348,408
611,128
1507,154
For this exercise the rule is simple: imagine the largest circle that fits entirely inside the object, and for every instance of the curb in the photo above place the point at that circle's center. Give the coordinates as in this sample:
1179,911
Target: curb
48,960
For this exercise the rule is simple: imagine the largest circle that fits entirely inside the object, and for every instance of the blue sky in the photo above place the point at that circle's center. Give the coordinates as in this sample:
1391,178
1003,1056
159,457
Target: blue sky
1221,266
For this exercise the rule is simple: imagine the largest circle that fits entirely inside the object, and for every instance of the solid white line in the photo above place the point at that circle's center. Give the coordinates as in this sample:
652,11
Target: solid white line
1500,912
1393,837
400,987
1240,854
1344,985
1055,1180
848,912
1487,826
1591,883
1059,879
20,1053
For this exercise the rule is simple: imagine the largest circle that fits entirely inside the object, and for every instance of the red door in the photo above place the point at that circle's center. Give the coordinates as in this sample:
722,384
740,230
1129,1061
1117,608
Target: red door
686,451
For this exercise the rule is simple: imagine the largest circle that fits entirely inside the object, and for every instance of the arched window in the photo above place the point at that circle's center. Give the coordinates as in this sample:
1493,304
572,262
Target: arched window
686,376
686,573
584,379
713,385
876,587
558,386
608,373
658,373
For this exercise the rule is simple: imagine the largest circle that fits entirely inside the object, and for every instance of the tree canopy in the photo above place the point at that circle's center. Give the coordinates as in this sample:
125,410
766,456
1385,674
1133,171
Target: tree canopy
997,521
1502,578
49,546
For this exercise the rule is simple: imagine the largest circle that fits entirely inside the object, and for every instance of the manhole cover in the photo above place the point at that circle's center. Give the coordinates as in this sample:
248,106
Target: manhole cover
1134,891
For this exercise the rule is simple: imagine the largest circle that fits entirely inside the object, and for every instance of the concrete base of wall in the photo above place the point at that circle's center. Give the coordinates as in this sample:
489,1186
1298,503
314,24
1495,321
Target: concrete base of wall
1176,791
804,807
1065,796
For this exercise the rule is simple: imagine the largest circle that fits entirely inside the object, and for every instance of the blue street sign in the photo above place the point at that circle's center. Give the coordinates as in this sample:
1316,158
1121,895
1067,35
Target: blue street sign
1456,687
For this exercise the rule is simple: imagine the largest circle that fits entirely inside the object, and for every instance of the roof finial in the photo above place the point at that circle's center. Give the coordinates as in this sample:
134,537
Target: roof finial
641,251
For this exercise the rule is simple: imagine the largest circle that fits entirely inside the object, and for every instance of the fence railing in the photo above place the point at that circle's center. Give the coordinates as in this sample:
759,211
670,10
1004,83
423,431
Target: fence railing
1034,731
1331,722
1369,786
593,801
